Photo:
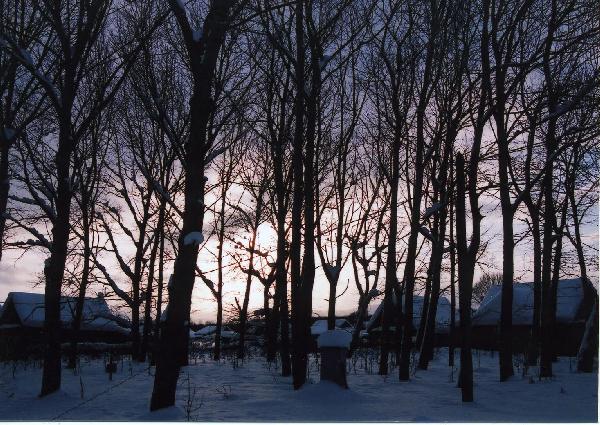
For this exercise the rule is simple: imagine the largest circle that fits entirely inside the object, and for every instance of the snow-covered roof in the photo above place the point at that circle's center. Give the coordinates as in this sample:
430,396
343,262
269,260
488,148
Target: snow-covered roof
442,317
29,308
211,329
207,330
569,298
320,326
335,338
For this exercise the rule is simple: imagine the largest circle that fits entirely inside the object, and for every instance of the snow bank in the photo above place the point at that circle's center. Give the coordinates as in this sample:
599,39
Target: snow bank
260,394
335,338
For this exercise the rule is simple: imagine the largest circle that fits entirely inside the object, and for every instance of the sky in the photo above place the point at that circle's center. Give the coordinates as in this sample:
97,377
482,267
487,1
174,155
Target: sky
21,271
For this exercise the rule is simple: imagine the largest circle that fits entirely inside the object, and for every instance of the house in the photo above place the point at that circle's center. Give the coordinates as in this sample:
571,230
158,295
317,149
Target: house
575,299
442,317
22,321
209,331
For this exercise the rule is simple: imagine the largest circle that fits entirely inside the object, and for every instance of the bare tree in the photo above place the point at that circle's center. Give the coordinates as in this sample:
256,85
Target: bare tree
202,48
76,38
484,284
20,91
464,285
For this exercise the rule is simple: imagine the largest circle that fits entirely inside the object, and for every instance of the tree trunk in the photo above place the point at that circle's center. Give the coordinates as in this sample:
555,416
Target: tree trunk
5,145
271,325
203,58
537,289
225,182
426,298
451,333
244,312
298,299
429,333
415,210
280,316
55,266
218,329
549,217
284,325
148,300
182,281
136,284
555,280
135,321
85,273
437,252
363,303
465,282
506,332
589,343
391,279
411,252
159,290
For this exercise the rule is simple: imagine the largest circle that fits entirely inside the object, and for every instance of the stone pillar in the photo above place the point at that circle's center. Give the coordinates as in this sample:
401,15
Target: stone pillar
333,347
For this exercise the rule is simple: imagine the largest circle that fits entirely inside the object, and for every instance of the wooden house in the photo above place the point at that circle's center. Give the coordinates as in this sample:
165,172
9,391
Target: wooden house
442,321
575,300
22,322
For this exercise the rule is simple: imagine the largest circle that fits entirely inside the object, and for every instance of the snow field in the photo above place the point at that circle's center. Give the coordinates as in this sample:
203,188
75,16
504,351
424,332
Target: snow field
255,391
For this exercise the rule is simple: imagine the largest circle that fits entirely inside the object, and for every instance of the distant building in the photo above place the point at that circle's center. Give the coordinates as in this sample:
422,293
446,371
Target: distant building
22,321
210,330
574,302
442,317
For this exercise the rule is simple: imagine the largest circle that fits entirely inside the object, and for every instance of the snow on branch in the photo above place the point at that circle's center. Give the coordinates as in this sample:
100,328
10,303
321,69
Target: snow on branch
8,133
120,293
197,34
214,153
38,202
209,283
193,238
181,5
425,232
160,189
432,210
181,14
374,292
333,271
25,58
324,61
41,239
569,105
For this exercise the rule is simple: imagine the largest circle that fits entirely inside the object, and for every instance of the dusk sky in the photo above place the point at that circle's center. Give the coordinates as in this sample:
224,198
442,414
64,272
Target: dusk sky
19,272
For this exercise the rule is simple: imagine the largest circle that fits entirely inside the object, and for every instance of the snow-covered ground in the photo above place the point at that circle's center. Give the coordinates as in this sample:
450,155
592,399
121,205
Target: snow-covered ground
218,391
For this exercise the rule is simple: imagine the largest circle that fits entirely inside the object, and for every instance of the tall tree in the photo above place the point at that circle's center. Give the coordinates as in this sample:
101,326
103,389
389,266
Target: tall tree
20,91
77,52
435,19
202,48
464,284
